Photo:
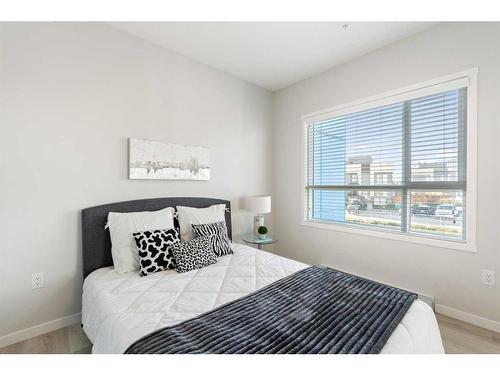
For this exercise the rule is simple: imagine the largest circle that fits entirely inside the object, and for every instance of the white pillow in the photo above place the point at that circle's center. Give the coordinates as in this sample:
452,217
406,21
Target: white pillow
123,224
191,215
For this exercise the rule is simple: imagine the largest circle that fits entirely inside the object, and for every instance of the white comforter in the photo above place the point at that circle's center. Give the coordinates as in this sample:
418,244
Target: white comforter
118,309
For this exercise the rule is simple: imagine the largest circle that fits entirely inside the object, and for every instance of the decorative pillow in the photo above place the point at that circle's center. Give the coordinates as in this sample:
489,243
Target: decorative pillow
122,225
190,215
155,253
193,254
217,232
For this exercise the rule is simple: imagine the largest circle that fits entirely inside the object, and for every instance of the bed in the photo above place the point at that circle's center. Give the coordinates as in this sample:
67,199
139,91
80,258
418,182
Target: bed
119,309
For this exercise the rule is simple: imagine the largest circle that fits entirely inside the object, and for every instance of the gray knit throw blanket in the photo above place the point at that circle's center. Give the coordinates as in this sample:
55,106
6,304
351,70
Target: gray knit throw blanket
315,310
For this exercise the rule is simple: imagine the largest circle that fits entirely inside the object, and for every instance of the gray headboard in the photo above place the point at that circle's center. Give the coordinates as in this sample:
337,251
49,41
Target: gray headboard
96,242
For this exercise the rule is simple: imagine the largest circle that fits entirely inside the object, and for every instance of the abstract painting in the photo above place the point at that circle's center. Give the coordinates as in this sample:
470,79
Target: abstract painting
153,160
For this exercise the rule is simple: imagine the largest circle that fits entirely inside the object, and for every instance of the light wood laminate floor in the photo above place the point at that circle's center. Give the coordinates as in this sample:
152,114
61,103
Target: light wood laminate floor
458,337
67,340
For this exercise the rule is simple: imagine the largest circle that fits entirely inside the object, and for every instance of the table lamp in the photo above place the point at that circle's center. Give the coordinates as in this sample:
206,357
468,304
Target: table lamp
259,205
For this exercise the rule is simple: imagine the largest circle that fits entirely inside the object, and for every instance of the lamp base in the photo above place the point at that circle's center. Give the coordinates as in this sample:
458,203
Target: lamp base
258,221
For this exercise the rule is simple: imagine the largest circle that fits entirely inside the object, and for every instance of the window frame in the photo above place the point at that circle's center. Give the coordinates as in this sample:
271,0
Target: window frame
467,78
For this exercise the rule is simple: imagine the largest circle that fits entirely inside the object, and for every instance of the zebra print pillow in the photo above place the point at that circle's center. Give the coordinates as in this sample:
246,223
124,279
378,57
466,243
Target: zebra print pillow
217,233
155,253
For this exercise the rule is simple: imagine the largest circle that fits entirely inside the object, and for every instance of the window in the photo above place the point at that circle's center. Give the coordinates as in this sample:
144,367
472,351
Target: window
396,164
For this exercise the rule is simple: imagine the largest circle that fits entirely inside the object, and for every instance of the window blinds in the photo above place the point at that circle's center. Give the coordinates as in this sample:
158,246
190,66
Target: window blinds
400,166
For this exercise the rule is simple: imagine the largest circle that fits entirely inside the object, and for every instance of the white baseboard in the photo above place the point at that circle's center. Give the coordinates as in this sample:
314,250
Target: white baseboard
40,329
476,320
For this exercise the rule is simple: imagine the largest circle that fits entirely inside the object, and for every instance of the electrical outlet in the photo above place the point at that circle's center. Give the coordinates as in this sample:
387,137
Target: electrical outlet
488,277
37,280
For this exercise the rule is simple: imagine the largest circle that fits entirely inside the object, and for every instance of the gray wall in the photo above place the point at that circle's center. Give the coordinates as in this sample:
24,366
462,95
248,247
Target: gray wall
70,95
452,277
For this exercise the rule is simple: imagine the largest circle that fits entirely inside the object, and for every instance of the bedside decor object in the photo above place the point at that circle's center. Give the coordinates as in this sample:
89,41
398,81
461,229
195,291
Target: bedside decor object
153,160
262,230
259,205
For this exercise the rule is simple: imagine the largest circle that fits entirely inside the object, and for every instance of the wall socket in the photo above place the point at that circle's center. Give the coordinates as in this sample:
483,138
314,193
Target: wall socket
37,280
488,277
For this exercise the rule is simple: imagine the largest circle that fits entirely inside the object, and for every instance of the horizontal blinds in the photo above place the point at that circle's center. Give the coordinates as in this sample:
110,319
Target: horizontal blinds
366,148
360,148
438,125
400,166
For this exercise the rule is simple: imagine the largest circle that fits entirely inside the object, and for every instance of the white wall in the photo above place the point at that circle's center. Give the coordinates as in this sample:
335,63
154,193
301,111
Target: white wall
452,277
70,96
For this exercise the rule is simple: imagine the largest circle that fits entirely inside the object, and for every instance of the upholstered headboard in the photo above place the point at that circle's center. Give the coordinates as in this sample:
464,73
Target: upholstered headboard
96,241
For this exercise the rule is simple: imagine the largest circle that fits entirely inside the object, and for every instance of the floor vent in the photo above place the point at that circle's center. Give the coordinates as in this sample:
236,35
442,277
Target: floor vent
428,300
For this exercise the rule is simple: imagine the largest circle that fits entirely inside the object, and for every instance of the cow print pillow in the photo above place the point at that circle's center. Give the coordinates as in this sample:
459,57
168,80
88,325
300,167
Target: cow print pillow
155,253
193,254
217,232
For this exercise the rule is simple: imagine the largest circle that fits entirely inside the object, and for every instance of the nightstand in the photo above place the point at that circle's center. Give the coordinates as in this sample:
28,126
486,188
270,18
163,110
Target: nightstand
250,239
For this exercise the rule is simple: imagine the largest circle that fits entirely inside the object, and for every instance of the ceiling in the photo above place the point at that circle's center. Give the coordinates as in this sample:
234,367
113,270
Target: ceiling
272,55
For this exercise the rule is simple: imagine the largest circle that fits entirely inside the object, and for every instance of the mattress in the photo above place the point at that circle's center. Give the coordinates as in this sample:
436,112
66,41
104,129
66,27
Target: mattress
118,309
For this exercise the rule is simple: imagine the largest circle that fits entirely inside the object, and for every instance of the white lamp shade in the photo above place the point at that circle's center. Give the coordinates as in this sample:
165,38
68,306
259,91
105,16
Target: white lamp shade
260,204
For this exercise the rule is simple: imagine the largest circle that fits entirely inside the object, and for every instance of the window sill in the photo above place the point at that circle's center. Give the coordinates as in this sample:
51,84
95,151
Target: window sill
389,235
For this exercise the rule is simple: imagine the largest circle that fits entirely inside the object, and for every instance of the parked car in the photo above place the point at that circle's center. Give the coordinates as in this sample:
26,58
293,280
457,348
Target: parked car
356,205
421,209
432,209
353,207
446,210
